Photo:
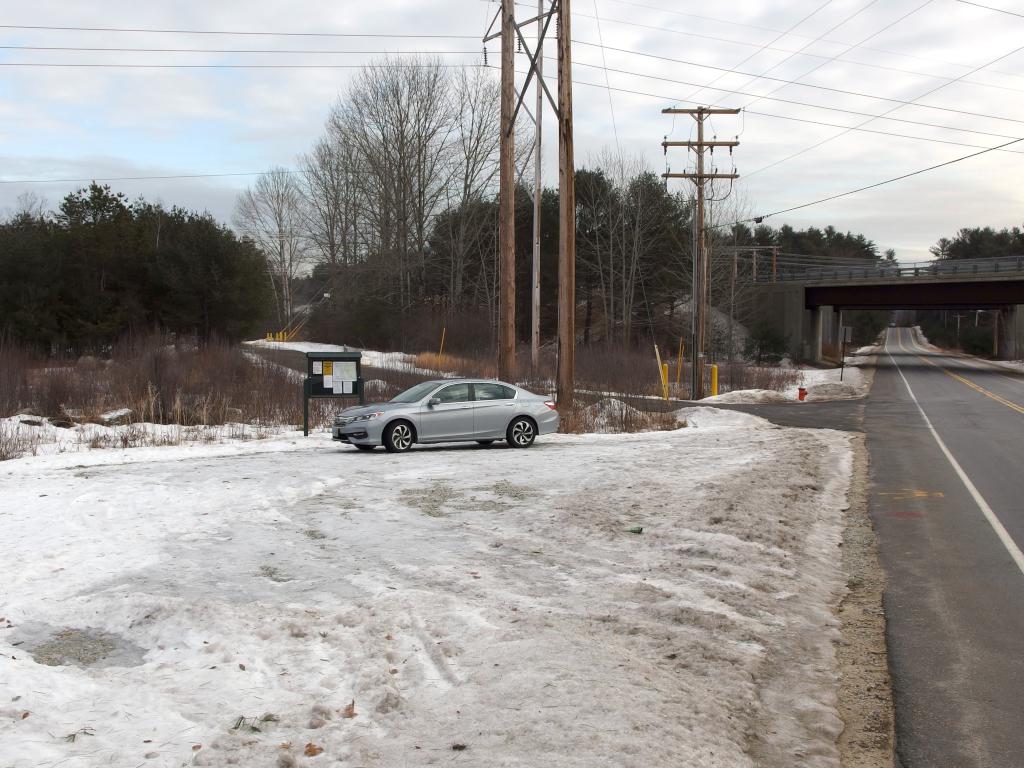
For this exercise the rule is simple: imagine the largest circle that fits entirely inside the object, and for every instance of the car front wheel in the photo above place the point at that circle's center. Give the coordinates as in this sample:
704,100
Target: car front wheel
398,437
521,433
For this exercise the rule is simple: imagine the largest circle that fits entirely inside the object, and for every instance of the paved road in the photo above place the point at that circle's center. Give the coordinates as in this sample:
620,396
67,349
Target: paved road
946,439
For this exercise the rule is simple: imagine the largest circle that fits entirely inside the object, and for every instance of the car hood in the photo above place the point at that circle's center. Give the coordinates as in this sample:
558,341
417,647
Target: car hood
360,410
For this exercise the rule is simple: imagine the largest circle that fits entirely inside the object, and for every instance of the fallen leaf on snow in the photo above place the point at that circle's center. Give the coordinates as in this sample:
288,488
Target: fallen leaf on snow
312,750
349,710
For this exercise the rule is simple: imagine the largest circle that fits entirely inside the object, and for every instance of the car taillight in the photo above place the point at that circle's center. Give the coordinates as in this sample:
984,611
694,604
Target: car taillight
550,404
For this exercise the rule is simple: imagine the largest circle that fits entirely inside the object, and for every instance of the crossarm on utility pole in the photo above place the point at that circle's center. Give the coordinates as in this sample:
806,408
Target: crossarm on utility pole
695,145
700,111
700,176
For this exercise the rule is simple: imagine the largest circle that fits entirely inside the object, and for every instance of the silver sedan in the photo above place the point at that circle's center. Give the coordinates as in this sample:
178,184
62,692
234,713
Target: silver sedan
449,410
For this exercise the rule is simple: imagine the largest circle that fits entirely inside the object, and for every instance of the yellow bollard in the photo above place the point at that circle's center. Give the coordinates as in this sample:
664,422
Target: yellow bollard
661,372
714,380
664,380
440,352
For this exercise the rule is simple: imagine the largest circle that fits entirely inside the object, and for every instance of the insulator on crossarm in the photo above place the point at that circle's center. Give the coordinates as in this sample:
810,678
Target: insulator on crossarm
485,55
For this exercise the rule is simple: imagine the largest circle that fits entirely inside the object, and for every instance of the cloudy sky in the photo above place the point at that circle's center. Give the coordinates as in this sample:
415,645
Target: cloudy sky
947,75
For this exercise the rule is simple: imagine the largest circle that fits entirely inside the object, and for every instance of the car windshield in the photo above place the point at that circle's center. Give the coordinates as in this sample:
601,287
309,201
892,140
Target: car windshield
415,394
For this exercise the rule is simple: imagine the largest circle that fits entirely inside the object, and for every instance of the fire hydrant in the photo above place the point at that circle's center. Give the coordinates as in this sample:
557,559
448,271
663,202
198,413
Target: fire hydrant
801,393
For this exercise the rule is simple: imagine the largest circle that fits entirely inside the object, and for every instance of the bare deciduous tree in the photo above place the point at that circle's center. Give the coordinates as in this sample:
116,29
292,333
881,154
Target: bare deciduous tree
271,214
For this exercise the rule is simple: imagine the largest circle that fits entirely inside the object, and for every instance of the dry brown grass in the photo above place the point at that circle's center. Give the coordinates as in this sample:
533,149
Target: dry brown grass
585,417
481,367
162,380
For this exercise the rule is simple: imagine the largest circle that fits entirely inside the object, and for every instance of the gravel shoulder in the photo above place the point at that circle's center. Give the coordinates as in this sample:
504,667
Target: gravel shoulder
865,689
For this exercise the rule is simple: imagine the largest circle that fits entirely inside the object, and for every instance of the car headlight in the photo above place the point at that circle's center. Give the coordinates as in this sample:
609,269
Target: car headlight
368,416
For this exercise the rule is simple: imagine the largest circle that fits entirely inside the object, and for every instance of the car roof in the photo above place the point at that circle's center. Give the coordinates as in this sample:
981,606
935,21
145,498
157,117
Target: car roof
471,381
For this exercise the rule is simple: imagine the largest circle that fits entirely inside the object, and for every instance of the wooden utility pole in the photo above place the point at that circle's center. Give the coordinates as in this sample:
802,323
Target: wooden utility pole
567,218
699,282
537,190
510,106
506,201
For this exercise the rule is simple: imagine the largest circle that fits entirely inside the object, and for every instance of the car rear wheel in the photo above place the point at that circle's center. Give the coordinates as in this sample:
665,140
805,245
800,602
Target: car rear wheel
398,437
362,447
521,433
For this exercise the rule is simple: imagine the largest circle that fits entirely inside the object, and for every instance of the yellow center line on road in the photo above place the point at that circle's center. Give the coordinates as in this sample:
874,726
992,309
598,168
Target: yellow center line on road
976,387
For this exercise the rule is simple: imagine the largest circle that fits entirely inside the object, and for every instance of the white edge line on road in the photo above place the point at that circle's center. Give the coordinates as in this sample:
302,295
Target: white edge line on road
986,510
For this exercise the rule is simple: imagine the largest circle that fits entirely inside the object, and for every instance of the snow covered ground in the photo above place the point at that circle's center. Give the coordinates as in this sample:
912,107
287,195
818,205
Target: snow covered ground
399,361
38,436
290,602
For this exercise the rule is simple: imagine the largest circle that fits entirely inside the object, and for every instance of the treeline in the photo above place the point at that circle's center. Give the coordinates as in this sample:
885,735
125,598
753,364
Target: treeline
980,243
78,278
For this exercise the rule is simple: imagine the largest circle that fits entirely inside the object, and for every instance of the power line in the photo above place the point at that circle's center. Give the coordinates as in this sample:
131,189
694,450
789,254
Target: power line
836,42
611,105
802,51
805,53
880,183
764,47
888,26
661,97
843,133
990,8
140,178
829,89
233,32
238,66
807,45
793,102
219,50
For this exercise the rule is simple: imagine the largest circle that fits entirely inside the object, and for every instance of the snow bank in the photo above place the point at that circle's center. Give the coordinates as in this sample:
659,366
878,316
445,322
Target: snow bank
833,391
398,361
824,384
714,418
749,396
482,606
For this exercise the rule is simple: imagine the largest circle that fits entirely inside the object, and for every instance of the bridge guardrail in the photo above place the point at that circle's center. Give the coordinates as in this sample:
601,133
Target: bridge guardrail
782,272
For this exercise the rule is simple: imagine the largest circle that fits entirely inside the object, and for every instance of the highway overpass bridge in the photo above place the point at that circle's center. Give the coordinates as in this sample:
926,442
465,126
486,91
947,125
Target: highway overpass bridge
807,302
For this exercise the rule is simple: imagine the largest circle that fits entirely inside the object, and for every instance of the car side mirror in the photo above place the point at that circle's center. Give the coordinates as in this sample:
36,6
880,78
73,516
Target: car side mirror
433,401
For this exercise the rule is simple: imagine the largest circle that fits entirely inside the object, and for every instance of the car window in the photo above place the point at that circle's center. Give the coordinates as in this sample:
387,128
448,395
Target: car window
494,392
415,394
456,393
